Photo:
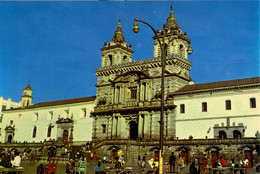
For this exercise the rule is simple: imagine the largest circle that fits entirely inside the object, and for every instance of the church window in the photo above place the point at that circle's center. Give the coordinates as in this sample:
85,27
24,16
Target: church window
50,115
35,117
125,59
104,128
110,59
118,94
3,107
34,132
66,113
228,104
133,93
49,131
144,90
204,107
252,103
166,50
182,108
83,112
181,50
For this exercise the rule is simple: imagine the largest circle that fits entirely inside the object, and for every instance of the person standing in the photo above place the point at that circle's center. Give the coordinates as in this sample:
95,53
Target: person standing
200,162
205,163
70,167
143,161
193,169
172,162
180,164
98,168
223,162
5,160
246,163
139,160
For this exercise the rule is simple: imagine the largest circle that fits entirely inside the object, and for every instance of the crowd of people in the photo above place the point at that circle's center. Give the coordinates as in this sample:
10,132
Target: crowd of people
9,159
199,166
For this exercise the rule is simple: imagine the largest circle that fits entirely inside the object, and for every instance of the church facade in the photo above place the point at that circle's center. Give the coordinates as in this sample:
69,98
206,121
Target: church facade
214,118
218,118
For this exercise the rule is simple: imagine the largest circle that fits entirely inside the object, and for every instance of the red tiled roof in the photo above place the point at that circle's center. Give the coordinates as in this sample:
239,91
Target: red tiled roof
218,85
59,102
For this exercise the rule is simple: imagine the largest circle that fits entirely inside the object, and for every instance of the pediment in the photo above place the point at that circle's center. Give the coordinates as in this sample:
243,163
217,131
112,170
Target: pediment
64,120
102,82
131,76
9,128
158,73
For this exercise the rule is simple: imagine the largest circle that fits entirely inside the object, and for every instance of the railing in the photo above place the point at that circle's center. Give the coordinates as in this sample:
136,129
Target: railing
154,142
142,62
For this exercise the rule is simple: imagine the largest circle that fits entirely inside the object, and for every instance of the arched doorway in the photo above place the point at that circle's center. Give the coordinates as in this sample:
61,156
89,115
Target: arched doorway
65,136
9,139
213,152
155,151
247,153
114,153
222,135
184,152
133,130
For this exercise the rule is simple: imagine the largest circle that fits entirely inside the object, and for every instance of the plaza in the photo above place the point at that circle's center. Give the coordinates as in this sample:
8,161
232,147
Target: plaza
30,168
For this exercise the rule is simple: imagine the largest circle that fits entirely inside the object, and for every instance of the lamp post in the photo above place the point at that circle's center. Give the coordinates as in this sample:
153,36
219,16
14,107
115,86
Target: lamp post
163,47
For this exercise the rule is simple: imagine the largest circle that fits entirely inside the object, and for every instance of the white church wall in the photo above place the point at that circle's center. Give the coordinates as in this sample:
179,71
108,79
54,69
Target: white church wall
26,119
195,122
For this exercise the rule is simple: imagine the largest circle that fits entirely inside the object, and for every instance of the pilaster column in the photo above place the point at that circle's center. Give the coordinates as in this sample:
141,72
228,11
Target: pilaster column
71,134
140,126
120,126
113,127
95,128
171,123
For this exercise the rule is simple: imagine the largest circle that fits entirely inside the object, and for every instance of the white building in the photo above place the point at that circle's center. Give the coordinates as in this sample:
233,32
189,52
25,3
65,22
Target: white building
63,119
227,108
8,104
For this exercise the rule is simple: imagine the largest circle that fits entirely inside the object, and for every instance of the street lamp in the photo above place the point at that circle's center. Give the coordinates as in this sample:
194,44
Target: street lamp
163,47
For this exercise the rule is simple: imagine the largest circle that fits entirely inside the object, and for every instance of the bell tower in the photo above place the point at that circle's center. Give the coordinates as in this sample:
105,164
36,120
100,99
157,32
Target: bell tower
117,51
176,42
27,96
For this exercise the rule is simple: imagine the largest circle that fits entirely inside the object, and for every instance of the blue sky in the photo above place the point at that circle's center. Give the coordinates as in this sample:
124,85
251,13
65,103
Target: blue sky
56,45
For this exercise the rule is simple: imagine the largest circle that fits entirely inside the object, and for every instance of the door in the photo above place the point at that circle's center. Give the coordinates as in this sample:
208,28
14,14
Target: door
9,139
156,155
184,155
65,136
133,130
214,157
